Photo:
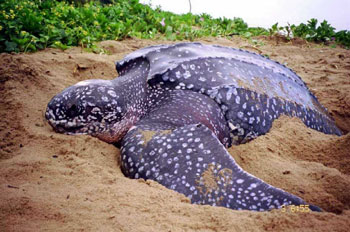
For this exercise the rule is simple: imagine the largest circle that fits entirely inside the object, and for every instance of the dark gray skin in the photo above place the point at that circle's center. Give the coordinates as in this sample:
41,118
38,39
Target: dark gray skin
175,109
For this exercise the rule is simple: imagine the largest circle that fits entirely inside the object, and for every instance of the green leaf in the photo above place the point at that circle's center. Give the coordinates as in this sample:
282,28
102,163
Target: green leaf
10,46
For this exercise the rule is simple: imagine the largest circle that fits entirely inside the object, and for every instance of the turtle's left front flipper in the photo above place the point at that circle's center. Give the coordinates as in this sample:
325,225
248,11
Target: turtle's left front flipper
192,161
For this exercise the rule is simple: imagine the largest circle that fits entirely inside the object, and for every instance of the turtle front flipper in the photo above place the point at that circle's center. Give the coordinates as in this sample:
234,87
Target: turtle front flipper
192,161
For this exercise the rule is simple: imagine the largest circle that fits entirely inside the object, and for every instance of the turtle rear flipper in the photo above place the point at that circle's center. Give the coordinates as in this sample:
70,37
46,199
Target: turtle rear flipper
192,161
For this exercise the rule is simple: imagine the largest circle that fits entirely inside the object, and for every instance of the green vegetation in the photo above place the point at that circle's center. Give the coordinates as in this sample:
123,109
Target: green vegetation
33,25
323,33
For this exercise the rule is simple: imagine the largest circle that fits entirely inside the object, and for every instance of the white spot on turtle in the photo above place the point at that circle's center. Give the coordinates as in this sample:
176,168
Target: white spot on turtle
112,93
238,99
178,74
202,79
187,75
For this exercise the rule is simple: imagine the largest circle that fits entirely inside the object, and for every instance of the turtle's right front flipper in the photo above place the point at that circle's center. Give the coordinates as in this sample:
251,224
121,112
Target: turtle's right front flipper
192,161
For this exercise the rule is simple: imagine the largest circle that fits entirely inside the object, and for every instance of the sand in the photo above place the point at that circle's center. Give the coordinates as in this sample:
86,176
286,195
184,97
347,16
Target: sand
56,182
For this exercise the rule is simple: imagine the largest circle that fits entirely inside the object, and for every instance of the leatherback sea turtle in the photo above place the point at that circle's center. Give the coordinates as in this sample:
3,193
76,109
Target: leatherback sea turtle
176,107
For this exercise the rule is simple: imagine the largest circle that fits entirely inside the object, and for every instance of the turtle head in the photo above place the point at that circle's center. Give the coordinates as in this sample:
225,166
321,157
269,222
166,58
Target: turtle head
94,107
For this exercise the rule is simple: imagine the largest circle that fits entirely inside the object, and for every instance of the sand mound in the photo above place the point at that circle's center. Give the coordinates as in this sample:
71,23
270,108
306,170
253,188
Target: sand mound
56,182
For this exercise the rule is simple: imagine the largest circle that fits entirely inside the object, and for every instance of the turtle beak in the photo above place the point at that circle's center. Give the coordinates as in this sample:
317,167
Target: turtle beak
58,129
68,130
51,119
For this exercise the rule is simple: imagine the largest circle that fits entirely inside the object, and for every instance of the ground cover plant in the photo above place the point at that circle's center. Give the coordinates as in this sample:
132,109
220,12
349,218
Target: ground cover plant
27,26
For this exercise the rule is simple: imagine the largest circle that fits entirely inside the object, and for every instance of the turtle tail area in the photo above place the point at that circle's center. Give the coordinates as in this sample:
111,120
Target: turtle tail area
192,161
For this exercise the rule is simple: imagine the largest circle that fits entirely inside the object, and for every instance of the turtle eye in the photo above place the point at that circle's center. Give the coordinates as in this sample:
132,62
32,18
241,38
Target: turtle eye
73,111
